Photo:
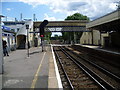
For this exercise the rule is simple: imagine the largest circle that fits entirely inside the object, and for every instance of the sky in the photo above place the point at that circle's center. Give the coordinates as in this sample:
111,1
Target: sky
55,10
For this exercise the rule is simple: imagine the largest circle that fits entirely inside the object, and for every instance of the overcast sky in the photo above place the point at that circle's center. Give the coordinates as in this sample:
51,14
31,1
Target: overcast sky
56,9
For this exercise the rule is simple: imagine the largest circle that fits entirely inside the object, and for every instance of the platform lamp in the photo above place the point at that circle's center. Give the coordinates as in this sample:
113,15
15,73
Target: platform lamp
1,49
27,27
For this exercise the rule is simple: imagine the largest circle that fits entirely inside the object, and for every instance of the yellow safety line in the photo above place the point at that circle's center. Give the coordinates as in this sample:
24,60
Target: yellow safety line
36,75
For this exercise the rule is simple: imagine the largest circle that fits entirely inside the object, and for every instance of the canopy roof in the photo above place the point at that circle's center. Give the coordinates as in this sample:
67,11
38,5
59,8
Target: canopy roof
109,22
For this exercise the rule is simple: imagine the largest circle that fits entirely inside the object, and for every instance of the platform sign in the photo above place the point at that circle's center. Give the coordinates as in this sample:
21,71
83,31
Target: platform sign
27,26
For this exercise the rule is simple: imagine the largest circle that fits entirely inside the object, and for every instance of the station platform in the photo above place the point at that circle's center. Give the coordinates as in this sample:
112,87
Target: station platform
37,71
101,49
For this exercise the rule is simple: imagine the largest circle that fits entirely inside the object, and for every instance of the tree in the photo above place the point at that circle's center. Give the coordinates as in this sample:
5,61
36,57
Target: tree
69,36
77,16
56,36
48,36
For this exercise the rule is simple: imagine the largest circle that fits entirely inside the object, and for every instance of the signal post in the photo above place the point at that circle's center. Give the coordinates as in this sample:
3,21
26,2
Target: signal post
42,32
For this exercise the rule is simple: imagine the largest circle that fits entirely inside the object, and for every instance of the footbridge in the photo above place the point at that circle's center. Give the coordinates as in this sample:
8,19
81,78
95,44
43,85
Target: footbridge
63,26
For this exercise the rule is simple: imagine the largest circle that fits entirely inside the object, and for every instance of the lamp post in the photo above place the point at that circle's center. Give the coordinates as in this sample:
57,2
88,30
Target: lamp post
1,49
27,27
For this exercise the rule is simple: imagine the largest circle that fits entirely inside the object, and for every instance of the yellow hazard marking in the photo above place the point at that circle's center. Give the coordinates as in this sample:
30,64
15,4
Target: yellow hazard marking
36,75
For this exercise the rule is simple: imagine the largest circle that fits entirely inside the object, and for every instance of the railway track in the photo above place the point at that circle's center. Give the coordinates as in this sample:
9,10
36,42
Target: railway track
107,63
79,75
109,73
106,57
105,74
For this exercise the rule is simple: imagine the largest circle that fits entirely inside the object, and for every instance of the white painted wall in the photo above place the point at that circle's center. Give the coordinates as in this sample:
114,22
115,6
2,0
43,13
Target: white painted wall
86,38
10,41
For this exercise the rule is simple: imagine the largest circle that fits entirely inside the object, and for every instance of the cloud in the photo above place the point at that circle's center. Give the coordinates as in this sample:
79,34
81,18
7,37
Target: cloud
46,17
112,6
75,5
90,8
9,0
8,9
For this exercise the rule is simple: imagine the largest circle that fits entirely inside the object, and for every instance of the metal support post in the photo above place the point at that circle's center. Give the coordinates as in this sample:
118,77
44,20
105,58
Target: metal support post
27,43
27,27
42,43
1,50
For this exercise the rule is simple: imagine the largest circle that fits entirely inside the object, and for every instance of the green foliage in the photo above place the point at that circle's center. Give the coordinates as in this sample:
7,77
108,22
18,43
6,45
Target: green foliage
48,36
69,36
77,16
56,37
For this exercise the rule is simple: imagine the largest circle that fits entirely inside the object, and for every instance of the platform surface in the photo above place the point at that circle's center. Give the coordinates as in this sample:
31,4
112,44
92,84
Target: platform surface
101,49
35,71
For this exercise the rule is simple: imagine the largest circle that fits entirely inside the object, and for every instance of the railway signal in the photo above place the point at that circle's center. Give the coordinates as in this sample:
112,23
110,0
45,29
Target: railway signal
41,27
41,35
42,32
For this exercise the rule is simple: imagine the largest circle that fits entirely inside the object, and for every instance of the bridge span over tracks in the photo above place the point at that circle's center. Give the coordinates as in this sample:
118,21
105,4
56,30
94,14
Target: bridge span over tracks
63,26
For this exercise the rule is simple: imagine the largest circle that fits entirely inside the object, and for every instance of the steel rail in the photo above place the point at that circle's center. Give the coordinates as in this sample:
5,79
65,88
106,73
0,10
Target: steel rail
101,82
59,59
117,78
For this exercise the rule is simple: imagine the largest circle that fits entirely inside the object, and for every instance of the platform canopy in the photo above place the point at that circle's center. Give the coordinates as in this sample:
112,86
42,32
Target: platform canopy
106,23
64,26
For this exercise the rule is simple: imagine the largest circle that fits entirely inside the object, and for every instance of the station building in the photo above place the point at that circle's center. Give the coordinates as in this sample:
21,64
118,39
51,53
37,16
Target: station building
22,34
105,31
94,38
9,37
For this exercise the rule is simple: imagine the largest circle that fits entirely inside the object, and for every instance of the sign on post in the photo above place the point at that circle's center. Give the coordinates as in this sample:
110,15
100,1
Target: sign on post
27,27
